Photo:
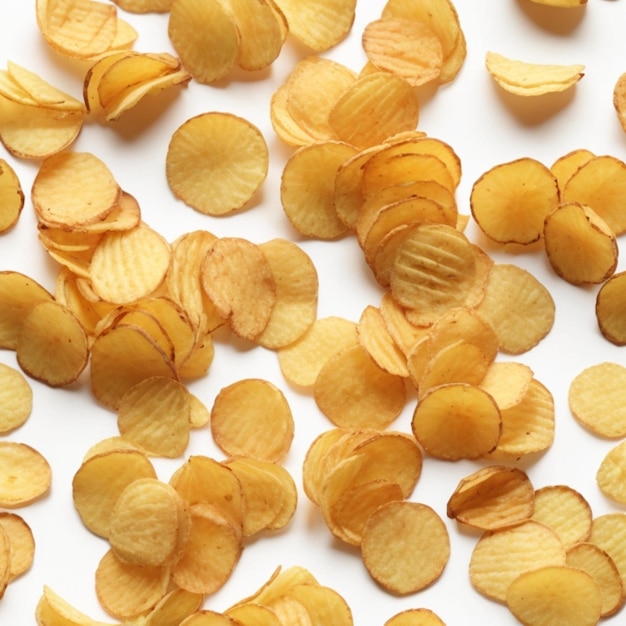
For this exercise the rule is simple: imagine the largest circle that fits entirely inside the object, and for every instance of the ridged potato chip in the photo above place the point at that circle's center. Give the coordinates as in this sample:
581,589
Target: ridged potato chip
53,609
608,532
609,474
21,543
507,382
16,399
415,617
25,474
610,307
144,6
174,607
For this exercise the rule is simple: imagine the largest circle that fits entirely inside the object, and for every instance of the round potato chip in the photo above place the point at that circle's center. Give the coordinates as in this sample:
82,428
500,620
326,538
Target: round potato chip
16,399
507,382
215,161
610,472
174,607
251,417
608,532
11,196
610,307
25,475
395,537
21,542
415,617
568,163
323,604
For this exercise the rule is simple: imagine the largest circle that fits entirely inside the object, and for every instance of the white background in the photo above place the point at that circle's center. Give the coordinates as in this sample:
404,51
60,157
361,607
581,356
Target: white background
486,127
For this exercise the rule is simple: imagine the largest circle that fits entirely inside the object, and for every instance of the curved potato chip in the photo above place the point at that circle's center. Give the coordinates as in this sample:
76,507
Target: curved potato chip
21,542
608,532
144,6
619,99
16,399
11,197
568,163
25,475
174,607
414,617
507,382
610,307
610,472
53,609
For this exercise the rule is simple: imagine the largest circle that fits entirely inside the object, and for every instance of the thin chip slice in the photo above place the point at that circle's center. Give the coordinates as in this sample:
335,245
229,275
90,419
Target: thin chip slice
252,417
610,307
555,594
507,382
610,472
323,604
11,197
568,163
25,474
53,609
16,399
216,162
619,99
144,6
397,534
415,617
608,532
174,607
21,542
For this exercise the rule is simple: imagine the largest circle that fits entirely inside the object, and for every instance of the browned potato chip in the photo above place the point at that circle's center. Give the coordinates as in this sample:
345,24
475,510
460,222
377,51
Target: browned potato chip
25,475
610,307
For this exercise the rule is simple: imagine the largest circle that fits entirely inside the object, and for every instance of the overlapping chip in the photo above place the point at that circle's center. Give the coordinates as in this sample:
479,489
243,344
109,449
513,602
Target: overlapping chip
610,306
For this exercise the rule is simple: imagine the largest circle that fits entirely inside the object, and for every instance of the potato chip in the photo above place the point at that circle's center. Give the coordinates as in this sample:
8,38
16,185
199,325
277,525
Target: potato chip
507,382
287,129
322,604
254,614
11,197
518,307
52,345
16,399
568,163
396,534
173,607
414,617
562,4
404,333
619,99
53,609
321,24
511,200
206,617
457,421
595,399
126,590
144,6
555,594
610,472
531,79
601,567
492,497
301,361
608,532
373,108
500,556
610,305
252,417
21,544
25,475
216,162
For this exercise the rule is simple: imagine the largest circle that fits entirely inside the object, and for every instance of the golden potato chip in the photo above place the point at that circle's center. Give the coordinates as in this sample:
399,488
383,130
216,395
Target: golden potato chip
206,617
287,129
126,590
404,47
216,162
414,617
511,200
25,475
253,614
555,594
518,307
610,307
562,4
492,497
252,417
53,609
374,107
610,472
568,163
457,421
321,24
507,382
190,24
500,556
394,536
173,607
301,361
21,544
619,99
16,399
52,345
11,197
531,79
111,444
100,480
212,551
323,604
315,458
608,532
404,333
601,567
144,6
595,399
155,415
310,207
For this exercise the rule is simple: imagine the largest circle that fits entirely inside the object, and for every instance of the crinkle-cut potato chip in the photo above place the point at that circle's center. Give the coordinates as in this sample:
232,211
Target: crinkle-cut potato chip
609,475
72,189
52,345
608,532
518,307
507,382
568,163
216,161
79,29
11,197
320,24
415,617
492,497
601,567
25,475
191,24
511,200
237,277
580,246
155,415
301,361
500,556
172,608
457,421
395,537
286,128
596,398
100,480
149,524
126,590
120,358
309,204
206,617
16,399
144,6
373,108
297,285
353,391
252,613
555,594
252,417
600,183
610,307
565,511
212,551
21,543
404,47
53,610
403,332
531,79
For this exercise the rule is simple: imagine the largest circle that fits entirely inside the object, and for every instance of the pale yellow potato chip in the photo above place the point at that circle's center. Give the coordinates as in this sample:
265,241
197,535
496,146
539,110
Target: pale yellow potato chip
518,307
568,163
254,614
21,544
595,399
531,79
492,497
555,594
500,556
53,609
16,399
323,604
25,474
252,417
144,6
173,607
287,129
394,536
610,472
216,162
619,99
11,197
415,617
608,532
457,421
610,307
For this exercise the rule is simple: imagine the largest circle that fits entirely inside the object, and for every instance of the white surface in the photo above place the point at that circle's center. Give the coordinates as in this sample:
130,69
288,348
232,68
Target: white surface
485,127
